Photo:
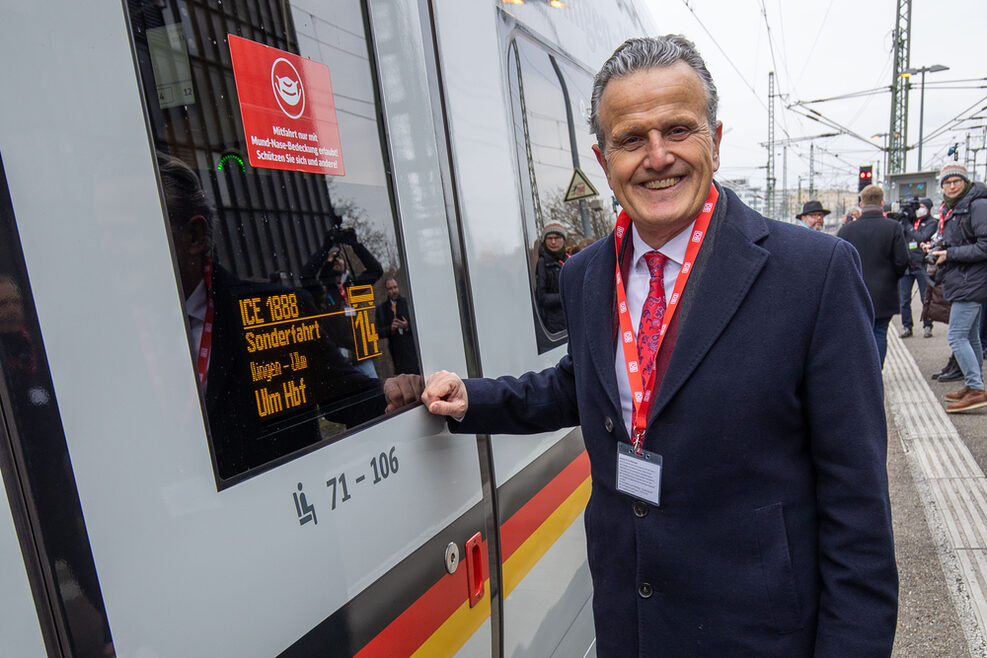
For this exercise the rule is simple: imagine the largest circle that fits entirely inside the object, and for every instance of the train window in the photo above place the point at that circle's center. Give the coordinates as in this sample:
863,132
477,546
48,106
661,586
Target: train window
283,231
550,106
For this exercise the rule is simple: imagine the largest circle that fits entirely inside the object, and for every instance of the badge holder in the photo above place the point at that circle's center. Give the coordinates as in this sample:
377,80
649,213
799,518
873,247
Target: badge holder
639,475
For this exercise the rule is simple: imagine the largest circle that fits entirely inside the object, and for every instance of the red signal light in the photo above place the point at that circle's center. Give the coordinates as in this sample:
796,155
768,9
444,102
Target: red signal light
866,174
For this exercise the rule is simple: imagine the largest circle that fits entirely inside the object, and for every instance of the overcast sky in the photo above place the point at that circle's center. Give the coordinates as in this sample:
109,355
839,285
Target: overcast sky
831,48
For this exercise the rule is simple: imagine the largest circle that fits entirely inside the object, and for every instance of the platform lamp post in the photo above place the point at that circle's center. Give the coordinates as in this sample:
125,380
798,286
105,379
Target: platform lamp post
907,73
884,149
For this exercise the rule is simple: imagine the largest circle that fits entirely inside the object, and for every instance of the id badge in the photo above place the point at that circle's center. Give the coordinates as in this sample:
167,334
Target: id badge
913,245
639,476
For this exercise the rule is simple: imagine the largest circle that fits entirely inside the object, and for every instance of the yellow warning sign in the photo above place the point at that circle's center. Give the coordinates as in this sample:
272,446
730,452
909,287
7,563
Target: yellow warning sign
579,187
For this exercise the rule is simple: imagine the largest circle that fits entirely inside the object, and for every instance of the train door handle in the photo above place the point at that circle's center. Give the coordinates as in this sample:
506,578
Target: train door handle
474,568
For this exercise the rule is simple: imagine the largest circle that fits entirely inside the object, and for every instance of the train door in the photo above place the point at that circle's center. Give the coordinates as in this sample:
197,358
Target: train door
520,140
238,252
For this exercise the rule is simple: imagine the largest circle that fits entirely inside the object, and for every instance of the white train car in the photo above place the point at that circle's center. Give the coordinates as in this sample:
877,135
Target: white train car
230,230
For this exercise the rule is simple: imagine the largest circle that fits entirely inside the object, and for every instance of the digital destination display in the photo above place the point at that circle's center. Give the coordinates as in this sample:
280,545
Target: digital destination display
282,347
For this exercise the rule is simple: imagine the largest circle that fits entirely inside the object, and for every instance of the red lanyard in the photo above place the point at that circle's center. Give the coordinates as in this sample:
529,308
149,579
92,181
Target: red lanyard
943,217
205,341
918,222
641,390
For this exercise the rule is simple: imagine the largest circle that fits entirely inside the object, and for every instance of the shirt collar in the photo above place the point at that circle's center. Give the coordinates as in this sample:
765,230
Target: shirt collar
195,305
674,249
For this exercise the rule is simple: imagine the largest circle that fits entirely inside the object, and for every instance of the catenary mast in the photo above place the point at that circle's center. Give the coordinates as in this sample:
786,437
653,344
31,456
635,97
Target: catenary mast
898,130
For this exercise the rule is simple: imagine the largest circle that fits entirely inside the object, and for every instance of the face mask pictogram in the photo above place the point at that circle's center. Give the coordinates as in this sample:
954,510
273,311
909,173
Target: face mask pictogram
288,89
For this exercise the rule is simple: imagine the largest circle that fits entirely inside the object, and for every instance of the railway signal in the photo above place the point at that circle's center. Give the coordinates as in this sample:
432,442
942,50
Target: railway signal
865,178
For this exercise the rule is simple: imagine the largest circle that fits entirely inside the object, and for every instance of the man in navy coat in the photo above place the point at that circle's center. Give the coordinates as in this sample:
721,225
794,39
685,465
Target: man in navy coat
746,512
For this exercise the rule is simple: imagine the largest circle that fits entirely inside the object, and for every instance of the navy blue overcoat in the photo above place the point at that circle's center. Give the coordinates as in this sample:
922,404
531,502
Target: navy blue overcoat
773,537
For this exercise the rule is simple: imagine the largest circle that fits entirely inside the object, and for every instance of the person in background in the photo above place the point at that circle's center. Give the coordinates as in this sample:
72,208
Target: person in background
983,328
729,515
329,276
579,246
393,323
918,230
812,215
852,215
551,256
963,265
884,258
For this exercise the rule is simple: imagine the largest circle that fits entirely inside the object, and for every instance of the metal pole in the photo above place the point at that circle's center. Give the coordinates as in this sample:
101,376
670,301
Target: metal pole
812,172
786,210
921,119
770,179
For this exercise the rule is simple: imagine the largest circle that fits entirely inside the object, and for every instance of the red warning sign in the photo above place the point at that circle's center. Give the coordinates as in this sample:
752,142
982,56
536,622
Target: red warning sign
286,102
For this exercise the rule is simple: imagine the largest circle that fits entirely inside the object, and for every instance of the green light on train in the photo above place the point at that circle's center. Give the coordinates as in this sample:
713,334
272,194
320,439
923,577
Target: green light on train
231,156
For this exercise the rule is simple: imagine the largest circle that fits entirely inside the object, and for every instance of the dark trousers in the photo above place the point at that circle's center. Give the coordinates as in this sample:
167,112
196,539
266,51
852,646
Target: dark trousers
914,274
881,336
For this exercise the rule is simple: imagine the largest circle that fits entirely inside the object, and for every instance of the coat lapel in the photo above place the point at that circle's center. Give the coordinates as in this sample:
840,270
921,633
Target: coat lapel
598,314
727,268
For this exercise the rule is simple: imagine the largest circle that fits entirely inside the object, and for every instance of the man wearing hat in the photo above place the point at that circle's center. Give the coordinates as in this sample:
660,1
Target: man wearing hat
918,229
551,256
963,268
812,215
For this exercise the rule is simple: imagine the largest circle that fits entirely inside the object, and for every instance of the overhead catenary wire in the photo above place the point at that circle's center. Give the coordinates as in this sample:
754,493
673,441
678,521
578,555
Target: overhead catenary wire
723,52
957,119
808,62
815,42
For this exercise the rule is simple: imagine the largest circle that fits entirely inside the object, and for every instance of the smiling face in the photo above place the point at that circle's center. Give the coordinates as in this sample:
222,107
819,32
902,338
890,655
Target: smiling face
660,153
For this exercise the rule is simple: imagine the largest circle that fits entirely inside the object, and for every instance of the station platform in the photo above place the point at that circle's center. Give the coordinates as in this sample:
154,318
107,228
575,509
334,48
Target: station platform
936,465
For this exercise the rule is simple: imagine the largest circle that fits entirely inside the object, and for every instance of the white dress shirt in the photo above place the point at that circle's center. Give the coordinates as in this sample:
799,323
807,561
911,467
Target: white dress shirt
636,285
195,308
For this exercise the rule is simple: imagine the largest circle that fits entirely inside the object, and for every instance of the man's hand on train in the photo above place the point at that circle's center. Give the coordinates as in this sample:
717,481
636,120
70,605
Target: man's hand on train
401,390
445,395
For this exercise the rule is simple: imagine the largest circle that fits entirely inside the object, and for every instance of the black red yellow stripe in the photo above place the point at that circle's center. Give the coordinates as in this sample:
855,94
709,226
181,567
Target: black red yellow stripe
417,608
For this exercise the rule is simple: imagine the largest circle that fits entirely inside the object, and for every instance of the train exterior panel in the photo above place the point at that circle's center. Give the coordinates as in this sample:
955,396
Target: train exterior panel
144,515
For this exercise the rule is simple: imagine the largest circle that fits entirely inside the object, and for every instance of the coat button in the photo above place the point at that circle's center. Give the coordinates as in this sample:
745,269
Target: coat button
645,590
640,509
608,424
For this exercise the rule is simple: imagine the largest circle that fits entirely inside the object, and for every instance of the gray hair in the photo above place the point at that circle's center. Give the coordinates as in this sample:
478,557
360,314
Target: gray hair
642,54
184,195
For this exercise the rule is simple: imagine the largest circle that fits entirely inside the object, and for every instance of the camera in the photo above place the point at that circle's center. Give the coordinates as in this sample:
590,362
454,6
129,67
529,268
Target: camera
336,233
906,209
937,244
340,235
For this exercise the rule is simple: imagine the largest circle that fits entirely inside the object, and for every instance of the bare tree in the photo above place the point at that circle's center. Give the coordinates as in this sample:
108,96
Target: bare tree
380,244
567,213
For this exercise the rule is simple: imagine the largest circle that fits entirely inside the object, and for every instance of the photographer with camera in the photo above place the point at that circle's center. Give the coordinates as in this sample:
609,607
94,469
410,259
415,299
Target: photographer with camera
919,226
328,275
962,261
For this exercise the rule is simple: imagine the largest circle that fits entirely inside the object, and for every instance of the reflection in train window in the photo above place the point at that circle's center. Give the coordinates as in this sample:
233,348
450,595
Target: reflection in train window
264,117
550,109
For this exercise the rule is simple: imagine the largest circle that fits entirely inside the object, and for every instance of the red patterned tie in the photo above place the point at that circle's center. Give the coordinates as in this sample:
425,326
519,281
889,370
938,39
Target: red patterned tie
652,314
